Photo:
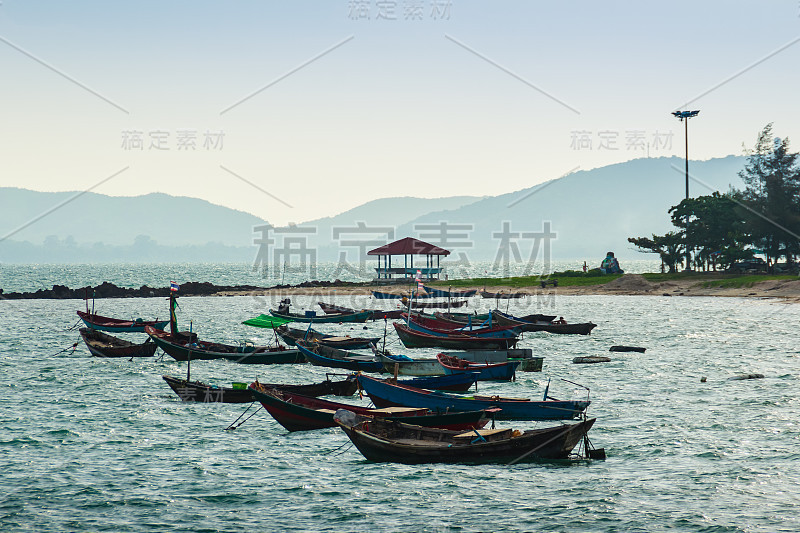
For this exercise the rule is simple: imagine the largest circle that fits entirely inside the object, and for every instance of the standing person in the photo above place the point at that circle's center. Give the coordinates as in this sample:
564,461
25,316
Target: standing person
585,267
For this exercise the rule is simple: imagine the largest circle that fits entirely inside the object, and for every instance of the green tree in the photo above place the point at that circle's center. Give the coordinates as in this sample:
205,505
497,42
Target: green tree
772,196
717,230
669,247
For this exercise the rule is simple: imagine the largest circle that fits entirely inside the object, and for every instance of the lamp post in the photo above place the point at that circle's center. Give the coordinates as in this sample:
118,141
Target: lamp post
684,117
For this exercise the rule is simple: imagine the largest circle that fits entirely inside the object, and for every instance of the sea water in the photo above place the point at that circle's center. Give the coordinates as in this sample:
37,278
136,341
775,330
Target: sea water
88,444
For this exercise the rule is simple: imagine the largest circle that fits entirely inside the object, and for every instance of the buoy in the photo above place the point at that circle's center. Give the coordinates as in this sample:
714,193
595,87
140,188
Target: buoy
591,359
626,349
746,376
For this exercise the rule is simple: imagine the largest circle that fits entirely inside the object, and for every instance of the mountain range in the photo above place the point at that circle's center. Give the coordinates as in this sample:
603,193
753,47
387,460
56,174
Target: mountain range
589,212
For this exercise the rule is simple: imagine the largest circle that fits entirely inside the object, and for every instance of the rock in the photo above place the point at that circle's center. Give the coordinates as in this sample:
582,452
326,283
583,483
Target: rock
745,376
591,359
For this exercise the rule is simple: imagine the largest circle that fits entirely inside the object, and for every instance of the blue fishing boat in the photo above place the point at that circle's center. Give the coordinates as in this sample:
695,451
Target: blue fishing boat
320,355
392,296
453,382
384,394
486,371
438,293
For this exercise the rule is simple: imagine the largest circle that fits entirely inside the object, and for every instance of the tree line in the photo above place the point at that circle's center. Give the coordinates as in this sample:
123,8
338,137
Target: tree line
721,229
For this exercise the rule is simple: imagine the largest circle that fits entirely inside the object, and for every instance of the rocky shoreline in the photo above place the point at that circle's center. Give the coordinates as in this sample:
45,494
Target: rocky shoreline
191,288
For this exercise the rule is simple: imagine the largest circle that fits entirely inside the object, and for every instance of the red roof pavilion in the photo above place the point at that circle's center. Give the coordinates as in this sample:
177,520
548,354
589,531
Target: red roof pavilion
408,248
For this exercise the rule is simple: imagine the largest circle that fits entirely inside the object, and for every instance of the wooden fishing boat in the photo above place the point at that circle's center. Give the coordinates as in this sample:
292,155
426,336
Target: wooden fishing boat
320,355
455,341
439,293
551,327
434,305
103,345
486,371
523,356
385,394
434,325
462,318
116,325
461,382
377,314
296,412
311,316
291,335
503,295
186,347
504,332
378,295
382,440
197,391
406,366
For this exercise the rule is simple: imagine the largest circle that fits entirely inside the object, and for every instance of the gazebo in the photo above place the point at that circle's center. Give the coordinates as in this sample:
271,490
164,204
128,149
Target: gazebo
408,248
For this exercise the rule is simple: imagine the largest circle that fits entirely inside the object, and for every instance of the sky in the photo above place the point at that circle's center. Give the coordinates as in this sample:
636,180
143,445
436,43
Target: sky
298,110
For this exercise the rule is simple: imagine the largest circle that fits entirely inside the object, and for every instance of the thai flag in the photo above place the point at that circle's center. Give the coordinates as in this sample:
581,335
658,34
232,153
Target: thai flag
174,286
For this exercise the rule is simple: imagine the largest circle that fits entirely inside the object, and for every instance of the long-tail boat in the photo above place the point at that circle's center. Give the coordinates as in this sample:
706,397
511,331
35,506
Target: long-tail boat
197,391
116,325
103,345
320,355
486,371
382,440
503,295
454,341
311,316
434,305
296,412
184,348
439,293
556,326
377,314
438,326
385,394
407,366
291,335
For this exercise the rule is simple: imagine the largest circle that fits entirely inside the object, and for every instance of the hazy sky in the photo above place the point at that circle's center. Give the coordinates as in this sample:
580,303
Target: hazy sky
424,97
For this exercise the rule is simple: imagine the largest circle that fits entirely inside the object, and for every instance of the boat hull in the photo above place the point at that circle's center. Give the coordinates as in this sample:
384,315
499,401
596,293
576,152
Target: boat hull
196,391
541,444
385,394
416,339
100,344
324,356
297,413
196,353
361,316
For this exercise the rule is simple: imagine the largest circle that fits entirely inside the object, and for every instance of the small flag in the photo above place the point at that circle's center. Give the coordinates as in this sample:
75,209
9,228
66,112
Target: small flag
419,275
173,287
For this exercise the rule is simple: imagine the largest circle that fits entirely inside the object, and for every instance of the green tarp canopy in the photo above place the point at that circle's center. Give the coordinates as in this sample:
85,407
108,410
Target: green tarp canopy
266,321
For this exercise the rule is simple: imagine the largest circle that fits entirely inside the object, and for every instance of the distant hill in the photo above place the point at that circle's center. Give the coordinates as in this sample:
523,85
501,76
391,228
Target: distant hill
382,213
115,220
591,211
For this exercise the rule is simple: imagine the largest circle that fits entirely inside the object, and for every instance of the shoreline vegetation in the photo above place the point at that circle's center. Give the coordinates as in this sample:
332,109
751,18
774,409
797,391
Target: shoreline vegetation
786,286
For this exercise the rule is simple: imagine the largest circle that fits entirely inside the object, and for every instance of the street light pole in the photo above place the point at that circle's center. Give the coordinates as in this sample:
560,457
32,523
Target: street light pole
684,116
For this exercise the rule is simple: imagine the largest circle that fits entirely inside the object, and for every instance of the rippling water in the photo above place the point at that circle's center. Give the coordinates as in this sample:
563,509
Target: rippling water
104,445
